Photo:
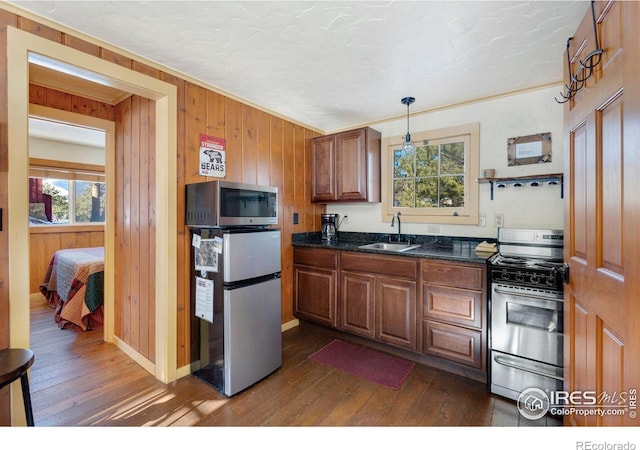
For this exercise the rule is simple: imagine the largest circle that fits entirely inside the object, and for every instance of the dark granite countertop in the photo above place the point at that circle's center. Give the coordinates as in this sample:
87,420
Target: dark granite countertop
435,247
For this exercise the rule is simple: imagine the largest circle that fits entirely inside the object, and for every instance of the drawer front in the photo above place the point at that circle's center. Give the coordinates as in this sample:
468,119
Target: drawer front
456,275
316,257
456,306
456,344
386,265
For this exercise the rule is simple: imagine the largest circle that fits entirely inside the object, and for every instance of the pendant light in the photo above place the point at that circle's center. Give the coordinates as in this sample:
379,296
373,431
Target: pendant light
408,144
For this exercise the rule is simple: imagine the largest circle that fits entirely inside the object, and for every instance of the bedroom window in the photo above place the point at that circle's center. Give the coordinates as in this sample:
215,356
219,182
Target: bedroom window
66,196
435,183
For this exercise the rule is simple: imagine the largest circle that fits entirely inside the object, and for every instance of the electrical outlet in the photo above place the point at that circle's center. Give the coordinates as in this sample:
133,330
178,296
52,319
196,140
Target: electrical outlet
483,221
345,219
499,220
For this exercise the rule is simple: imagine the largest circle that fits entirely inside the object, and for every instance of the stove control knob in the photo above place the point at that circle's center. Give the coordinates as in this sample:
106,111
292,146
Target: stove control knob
519,277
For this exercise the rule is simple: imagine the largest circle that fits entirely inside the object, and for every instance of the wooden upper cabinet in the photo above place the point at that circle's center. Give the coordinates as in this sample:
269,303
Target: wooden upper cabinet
345,167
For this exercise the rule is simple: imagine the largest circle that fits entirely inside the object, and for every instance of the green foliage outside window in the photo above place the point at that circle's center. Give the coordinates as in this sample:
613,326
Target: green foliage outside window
59,200
432,176
90,201
88,204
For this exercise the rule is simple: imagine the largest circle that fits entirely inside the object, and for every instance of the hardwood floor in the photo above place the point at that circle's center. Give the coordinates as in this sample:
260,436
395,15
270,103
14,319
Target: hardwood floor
78,380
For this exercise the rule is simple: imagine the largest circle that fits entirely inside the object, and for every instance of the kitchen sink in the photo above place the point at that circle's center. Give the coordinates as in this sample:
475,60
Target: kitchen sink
391,246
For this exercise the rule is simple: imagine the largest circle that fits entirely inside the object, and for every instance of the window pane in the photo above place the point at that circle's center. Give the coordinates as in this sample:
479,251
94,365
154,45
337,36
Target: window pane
427,192
427,161
403,193
452,192
452,158
56,193
432,176
403,164
89,202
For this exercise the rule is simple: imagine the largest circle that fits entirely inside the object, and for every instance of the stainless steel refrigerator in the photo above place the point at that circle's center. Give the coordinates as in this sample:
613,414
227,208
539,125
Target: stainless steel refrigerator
235,292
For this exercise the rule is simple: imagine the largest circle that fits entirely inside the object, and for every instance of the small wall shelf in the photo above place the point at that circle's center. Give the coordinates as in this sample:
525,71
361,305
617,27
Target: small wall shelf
531,180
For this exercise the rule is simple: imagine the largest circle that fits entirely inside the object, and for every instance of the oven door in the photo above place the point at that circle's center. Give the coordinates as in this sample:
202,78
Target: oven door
527,323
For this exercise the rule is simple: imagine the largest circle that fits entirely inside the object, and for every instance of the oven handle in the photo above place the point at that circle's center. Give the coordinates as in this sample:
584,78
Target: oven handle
497,290
509,363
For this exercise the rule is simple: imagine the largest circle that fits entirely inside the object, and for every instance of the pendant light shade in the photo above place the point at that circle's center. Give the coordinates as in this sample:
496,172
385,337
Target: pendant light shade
408,144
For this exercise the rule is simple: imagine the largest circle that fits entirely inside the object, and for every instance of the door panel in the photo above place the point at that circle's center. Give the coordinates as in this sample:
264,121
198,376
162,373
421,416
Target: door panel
611,189
602,346
612,372
578,239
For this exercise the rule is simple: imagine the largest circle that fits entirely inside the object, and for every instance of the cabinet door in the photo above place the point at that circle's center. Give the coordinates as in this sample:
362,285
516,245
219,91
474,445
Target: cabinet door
323,169
396,312
315,294
357,295
351,165
456,344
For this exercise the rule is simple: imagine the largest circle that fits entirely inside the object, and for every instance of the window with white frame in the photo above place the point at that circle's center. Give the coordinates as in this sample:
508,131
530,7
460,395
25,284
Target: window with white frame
436,182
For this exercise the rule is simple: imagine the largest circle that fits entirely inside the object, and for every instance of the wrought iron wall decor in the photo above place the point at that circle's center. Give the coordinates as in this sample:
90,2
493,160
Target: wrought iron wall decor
586,66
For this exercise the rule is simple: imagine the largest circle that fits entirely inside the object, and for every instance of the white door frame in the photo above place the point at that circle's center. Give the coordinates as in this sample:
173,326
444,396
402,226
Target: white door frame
19,45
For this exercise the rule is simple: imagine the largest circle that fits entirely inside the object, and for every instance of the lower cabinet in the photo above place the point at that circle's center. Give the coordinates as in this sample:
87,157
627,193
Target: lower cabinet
357,303
396,312
315,287
378,307
376,297
453,321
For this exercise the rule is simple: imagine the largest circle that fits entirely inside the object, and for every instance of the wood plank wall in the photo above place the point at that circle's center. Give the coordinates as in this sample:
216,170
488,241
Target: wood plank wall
261,148
135,256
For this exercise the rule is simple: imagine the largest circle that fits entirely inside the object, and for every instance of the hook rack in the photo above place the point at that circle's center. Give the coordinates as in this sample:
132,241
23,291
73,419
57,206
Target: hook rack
531,180
585,68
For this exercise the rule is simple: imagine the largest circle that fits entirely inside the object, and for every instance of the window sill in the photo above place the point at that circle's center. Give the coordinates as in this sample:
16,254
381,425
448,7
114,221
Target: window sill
43,229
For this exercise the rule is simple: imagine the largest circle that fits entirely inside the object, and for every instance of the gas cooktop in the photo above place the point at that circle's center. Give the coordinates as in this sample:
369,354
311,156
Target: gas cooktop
525,262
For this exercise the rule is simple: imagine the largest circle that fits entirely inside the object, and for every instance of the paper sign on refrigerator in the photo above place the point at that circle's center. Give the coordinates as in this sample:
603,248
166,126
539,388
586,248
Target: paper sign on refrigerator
204,299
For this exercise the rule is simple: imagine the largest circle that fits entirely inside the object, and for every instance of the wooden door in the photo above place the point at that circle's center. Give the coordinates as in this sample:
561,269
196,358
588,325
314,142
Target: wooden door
396,312
323,169
602,351
351,165
357,302
314,292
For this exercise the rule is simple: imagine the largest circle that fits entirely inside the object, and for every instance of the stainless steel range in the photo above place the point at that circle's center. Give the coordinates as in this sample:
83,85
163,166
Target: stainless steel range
526,311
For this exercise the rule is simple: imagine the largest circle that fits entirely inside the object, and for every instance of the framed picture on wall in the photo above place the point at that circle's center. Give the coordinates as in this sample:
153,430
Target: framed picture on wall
532,149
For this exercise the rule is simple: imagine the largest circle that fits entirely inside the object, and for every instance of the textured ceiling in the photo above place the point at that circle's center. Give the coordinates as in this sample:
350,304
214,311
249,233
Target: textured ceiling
332,65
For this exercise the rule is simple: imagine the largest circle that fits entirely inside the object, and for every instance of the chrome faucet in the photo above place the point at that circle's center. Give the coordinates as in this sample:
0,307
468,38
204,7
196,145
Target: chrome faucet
393,222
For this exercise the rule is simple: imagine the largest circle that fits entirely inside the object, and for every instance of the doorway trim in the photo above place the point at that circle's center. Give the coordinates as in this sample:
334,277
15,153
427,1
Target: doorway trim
19,45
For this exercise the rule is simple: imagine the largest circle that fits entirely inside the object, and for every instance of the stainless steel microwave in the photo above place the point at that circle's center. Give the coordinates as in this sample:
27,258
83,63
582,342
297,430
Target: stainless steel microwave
219,204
